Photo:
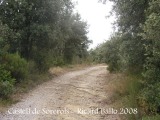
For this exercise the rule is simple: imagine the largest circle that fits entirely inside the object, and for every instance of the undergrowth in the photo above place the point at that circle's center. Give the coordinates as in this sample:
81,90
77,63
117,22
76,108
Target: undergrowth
127,88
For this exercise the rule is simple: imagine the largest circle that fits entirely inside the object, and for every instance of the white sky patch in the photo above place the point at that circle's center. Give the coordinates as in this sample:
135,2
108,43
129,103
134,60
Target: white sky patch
100,27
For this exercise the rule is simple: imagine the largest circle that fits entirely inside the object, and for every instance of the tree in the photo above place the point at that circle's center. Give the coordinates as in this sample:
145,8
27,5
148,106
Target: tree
43,31
77,43
151,35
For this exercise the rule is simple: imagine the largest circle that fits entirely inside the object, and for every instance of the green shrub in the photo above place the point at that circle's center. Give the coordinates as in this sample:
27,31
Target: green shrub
151,35
44,60
58,61
41,61
17,66
156,117
150,99
6,82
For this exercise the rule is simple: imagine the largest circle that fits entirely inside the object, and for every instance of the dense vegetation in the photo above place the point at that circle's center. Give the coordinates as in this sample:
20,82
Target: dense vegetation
135,48
35,35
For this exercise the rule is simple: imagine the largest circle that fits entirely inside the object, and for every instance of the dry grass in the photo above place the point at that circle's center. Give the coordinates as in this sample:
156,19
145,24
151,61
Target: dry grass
117,83
124,88
56,71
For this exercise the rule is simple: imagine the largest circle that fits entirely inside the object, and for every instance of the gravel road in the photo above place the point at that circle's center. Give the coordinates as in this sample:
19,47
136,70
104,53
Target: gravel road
76,95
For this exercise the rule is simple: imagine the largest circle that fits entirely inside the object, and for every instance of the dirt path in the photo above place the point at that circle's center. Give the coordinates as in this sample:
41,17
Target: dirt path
78,95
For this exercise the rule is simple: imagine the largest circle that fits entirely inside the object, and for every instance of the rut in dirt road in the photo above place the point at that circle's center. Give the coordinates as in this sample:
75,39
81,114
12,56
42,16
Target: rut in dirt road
77,95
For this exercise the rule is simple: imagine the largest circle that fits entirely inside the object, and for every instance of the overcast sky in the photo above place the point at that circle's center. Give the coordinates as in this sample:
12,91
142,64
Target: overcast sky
95,14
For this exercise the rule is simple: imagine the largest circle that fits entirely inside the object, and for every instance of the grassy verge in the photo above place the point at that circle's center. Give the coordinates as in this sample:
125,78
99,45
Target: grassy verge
125,89
126,94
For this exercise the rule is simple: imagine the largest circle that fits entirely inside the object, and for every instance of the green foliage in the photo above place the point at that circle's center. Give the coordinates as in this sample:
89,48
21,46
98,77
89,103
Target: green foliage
97,54
136,49
108,52
58,61
151,34
38,29
125,51
130,14
156,117
77,41
42,63
149,98
112,54
17,66
6,82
